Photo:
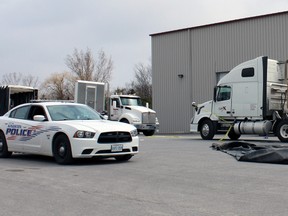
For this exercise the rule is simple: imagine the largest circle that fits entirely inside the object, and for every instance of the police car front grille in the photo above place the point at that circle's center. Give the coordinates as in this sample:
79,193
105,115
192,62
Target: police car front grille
115,137
109,151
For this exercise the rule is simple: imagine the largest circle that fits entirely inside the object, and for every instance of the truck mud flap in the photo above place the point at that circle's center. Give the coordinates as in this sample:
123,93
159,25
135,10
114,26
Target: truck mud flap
244,151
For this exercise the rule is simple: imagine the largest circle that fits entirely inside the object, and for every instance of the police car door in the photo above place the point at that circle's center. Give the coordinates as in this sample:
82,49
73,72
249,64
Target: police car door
23,133
16,130
35,142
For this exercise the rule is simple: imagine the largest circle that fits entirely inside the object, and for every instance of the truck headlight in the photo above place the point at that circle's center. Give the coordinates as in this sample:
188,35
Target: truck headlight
84,134
134,133
136,120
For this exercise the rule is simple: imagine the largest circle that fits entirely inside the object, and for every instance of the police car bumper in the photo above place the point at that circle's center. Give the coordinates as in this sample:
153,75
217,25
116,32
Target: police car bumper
83,148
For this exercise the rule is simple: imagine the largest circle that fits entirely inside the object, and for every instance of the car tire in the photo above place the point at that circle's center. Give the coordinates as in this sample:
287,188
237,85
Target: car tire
4,153
124,121
232,135
123,157
62,150
282,130
148,132
207,130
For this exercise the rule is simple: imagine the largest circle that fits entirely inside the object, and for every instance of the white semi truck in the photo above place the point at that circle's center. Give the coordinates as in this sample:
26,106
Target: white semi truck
129,109
250,99
123,108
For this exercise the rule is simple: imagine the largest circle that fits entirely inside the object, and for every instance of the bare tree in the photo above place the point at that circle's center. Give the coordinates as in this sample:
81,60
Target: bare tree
104,67
20,79
12,79
59,86
142,84
30,80
83,65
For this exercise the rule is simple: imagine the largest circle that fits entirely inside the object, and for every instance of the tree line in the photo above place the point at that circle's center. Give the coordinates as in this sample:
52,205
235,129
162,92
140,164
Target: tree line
83,65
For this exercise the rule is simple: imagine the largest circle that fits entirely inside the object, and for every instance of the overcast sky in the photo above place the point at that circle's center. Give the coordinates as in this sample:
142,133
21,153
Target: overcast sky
37,35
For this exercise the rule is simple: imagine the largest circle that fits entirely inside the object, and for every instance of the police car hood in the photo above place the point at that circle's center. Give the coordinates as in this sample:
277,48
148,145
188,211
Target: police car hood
100,125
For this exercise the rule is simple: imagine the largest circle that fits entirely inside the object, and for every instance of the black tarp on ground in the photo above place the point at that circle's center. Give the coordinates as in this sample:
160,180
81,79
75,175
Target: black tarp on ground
244,151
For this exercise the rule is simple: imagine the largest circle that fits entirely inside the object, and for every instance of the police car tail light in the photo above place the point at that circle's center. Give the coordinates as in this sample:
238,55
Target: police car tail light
83,134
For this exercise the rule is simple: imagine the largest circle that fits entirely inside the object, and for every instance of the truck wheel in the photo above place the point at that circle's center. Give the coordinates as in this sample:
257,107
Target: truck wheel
4,153
62,150
207,130
282,130
148,132
232,135
124,121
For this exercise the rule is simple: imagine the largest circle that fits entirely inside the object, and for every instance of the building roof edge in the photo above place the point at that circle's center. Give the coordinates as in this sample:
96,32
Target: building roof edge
220,23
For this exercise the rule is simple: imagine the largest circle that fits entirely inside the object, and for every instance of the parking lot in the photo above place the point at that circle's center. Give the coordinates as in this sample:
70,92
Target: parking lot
172,175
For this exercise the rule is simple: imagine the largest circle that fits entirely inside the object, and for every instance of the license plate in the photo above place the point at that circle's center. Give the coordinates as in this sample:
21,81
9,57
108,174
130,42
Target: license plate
116,148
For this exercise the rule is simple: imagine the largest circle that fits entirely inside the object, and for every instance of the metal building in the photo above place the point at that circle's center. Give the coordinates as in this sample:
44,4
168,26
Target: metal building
187,63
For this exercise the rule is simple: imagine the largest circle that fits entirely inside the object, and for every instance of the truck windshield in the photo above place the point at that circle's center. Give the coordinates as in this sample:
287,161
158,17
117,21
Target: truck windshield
128,101
223,93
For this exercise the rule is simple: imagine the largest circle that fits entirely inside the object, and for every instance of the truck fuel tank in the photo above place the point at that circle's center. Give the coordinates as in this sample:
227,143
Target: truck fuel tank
258,127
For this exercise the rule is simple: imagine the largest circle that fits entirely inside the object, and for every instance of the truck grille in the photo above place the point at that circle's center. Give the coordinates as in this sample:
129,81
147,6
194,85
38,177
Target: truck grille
115,137
149,118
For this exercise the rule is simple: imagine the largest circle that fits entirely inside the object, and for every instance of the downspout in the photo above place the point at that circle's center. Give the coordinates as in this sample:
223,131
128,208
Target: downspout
190,71
286,77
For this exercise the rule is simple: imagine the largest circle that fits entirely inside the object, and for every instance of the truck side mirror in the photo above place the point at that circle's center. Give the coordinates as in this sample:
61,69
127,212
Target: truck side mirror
215,93
114,104
195,105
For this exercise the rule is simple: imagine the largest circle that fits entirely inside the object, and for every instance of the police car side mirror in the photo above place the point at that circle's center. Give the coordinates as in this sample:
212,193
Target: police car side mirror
39,118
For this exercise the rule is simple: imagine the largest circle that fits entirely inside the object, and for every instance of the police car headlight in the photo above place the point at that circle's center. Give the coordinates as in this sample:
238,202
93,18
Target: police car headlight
84,134
134,133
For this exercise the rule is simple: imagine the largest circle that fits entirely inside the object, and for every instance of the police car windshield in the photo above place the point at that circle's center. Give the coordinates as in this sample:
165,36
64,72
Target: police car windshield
72,112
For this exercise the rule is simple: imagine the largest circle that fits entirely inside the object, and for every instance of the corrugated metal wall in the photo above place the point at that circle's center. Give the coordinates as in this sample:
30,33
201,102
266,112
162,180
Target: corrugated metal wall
198,53
170,92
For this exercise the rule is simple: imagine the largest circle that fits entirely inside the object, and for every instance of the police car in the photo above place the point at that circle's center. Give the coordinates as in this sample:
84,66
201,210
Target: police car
65,131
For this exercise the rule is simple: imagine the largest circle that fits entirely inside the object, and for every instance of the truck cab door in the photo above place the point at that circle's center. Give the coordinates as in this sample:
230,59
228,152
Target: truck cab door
115,109
222,99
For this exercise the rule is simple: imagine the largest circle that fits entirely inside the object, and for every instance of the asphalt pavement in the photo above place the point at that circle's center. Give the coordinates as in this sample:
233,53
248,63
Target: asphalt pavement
172,175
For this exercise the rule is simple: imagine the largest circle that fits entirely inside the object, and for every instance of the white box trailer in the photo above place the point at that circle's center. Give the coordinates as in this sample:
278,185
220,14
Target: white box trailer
13,95
91,94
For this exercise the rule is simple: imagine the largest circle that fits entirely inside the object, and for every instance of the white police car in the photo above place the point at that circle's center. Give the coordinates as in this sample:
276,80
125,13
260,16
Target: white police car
65,131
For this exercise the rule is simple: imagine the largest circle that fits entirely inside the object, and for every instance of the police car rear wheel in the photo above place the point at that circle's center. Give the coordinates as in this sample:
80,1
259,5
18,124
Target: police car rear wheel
4,153
62,150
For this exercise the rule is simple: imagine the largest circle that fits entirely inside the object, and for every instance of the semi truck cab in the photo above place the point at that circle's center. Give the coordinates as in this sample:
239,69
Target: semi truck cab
250,99
129,109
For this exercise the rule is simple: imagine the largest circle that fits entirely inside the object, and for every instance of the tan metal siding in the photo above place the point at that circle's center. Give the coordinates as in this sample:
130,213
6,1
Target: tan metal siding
201,52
